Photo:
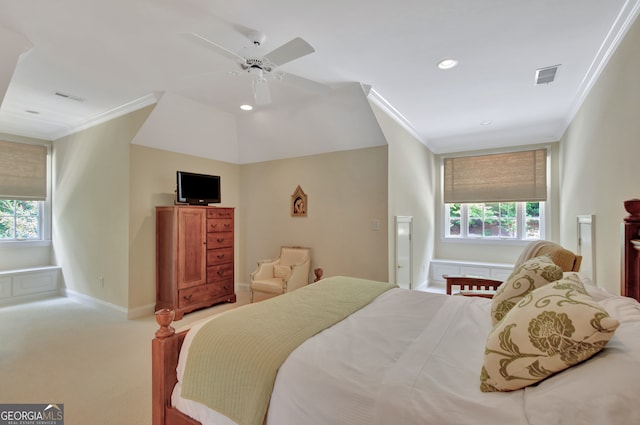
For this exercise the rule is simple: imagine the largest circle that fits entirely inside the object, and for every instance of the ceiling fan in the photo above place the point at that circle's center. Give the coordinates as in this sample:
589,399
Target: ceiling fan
258,67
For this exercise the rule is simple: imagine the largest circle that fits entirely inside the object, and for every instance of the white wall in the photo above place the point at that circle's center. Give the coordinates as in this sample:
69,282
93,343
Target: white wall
599,158
412,176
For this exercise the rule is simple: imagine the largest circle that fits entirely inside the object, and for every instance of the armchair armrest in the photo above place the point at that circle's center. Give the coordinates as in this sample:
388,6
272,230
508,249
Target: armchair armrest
299,275
470,285
264,270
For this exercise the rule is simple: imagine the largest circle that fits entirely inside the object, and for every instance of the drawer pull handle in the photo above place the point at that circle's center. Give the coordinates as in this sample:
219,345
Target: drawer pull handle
214,225
227,225
187,298
220,272
220,240
220,256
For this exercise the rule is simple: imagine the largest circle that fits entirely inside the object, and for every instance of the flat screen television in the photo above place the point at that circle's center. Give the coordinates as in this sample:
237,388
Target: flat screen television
197,189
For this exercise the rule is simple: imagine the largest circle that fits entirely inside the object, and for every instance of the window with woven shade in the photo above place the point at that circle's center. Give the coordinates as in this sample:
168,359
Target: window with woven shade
23,190
503,177
495,196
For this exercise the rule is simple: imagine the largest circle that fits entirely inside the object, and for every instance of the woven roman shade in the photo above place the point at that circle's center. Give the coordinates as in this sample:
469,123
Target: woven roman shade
23,171
504,177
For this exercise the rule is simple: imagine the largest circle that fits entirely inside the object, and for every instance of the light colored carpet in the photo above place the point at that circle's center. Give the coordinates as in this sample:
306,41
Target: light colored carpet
93,361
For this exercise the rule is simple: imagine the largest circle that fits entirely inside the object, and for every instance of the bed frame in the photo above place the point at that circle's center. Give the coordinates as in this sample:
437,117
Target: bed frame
630,276
165,349
167,343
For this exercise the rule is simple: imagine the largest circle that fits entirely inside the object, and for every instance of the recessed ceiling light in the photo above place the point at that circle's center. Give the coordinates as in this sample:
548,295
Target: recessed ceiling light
246,107
447,63
486,122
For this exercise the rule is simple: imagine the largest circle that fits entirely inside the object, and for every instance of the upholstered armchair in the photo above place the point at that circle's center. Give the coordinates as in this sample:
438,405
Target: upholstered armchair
286,273
486,287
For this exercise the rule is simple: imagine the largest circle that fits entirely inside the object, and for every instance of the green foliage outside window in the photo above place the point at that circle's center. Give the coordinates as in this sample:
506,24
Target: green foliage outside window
19,220
493,220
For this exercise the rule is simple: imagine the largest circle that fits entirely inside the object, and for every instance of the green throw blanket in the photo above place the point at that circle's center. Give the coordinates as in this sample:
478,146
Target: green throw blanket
234,358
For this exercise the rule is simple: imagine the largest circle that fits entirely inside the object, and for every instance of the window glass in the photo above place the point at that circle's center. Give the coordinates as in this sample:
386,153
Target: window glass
496,220
20,220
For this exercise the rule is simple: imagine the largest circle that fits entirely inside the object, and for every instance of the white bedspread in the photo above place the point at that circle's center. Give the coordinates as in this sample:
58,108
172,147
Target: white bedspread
415,358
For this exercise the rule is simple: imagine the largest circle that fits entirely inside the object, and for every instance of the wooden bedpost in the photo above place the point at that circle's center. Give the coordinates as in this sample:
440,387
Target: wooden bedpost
165,349
630,279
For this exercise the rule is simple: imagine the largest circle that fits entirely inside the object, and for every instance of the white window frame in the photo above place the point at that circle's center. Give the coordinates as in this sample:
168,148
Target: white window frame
464,225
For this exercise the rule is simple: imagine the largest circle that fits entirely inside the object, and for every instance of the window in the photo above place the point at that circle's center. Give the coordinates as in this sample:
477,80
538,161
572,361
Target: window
496,196
498,220
24,209
20,220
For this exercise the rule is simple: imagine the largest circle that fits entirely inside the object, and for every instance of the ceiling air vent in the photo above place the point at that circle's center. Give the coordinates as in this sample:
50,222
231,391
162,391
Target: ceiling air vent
68,96
546,75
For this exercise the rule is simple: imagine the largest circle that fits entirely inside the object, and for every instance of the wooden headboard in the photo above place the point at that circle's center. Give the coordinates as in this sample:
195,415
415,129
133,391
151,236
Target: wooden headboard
630,276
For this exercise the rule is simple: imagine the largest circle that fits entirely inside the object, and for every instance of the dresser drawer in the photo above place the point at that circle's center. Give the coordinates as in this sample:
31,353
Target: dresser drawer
204,293
219,272
219,240
220,213
220,225
219,256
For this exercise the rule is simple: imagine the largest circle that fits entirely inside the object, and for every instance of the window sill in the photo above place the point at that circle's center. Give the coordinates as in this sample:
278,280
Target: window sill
25,244
500,242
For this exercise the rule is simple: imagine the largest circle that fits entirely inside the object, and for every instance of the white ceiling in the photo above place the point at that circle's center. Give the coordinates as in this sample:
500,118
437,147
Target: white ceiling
118,55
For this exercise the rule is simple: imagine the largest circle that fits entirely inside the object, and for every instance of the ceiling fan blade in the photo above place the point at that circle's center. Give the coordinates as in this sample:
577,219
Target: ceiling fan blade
261,91
215,47
289,51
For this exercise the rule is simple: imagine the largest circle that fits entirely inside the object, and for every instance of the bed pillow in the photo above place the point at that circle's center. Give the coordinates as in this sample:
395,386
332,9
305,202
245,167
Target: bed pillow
281,271
531,274
551,329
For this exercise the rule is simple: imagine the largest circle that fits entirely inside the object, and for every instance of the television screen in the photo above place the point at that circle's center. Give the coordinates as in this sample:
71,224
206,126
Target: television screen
197,189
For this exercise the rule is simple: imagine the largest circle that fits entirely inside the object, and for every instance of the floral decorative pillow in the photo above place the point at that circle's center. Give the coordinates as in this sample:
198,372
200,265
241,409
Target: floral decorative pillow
282,272
551,329
531,274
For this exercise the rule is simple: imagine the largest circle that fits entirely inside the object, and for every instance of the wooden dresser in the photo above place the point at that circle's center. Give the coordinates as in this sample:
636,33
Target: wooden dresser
194,257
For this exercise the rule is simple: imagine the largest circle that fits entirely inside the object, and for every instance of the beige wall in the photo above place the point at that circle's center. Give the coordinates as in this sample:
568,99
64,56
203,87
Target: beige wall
346,191
91,208
411,193
153,182
599,159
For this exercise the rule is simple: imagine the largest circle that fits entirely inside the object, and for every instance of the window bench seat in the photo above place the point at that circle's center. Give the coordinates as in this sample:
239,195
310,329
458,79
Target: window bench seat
28,284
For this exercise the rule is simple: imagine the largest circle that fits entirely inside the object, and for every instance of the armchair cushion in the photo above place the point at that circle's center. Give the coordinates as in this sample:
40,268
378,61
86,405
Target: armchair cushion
530,275
271,286
281,271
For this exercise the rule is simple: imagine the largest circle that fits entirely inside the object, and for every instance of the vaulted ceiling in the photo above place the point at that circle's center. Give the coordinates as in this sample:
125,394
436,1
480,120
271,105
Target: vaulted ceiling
70,63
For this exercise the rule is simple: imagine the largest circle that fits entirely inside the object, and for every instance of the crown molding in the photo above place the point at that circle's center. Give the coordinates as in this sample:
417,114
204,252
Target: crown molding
628,14
382,103
116,112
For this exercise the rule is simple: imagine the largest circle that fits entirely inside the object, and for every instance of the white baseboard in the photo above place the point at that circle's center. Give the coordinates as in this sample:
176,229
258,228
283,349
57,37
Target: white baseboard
94,302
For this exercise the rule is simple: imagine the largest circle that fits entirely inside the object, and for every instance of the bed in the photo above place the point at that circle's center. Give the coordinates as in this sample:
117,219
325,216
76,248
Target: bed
411,357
